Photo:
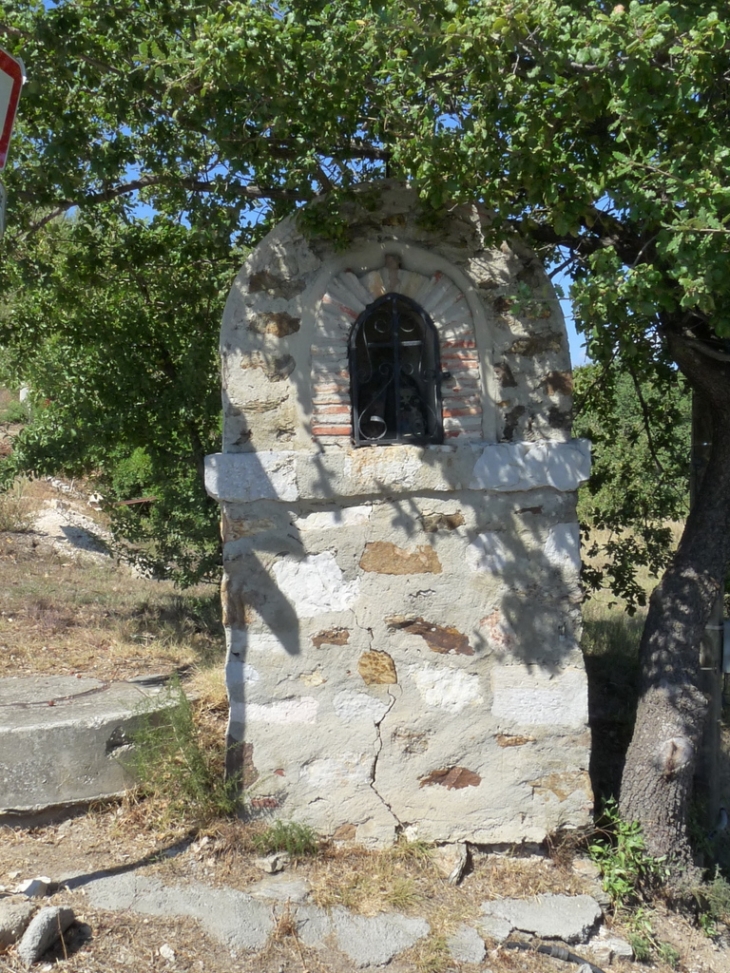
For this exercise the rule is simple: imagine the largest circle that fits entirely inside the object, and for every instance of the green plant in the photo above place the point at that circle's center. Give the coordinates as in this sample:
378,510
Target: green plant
627,869
668,954
174,768
297,840
714,902
16,412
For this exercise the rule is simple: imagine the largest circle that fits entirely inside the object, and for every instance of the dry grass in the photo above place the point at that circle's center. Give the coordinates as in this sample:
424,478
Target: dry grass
68,616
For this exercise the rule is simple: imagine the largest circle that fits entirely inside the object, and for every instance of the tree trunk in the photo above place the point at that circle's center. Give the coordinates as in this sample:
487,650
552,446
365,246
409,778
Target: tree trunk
656,788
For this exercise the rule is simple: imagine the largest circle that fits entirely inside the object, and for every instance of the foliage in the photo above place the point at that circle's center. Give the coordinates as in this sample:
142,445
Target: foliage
173,768
125,380
640,435
297,840
619,850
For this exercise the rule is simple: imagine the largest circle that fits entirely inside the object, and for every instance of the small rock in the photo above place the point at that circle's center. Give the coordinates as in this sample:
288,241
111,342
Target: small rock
452,861
14,917
34,888
584,968
167,952
586,869
281,888
606,948
48,926
273,863
467,946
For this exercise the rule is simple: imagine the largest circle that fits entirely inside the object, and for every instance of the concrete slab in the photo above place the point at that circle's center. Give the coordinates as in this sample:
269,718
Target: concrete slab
61,739
571,918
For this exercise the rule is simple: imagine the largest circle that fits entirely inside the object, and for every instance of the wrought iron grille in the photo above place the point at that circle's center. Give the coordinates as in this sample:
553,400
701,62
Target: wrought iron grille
395,374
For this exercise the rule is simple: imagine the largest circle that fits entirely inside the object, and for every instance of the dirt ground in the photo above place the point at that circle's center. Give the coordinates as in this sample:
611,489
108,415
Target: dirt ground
65,611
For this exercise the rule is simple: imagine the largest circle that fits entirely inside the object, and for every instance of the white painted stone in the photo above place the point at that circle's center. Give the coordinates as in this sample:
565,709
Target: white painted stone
449,689
303,710
250,674
528,466
333,472
562,547
265,475
354,707
326,772
385,465
266,642
328,519
530,696
315,584
488,552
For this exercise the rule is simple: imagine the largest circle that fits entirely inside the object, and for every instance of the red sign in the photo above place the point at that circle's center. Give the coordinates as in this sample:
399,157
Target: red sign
11,81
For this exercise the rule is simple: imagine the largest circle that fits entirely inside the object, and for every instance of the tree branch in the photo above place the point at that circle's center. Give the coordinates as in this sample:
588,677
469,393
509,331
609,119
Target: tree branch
191,184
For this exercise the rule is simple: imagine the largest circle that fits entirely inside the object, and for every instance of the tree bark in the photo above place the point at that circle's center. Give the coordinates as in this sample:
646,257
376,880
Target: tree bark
656,788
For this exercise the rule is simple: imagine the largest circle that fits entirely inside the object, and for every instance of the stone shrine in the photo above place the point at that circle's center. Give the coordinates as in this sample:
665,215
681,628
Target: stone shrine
401,553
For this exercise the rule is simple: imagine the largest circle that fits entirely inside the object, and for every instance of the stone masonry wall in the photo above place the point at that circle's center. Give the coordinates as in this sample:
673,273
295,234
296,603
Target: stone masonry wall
402,622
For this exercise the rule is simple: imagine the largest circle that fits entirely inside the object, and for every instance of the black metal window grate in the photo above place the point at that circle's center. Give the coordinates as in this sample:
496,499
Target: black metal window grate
395,375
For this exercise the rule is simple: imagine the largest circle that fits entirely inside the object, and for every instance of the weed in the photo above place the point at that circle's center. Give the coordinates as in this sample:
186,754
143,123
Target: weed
627,869
297,840
717,893
641,947
17,511
174,768
668,954
714,904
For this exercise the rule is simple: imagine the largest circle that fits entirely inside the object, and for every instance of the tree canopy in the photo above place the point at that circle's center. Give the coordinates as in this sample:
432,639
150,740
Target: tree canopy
598,132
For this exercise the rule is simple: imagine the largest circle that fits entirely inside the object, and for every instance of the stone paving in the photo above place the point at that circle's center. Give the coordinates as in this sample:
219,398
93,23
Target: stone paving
244,921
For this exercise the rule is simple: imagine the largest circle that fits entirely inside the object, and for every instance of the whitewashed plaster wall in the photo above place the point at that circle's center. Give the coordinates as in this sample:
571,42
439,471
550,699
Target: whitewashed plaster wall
402,622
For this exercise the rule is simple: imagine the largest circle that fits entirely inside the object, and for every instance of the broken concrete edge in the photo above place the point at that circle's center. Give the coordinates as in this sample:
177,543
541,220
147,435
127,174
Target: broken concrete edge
54,814
290,475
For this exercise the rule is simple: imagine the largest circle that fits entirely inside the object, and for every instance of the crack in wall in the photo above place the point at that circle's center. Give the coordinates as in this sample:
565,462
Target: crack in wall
374,769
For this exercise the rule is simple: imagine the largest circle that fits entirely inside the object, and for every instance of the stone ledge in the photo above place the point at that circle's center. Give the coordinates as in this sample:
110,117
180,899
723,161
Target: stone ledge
333,472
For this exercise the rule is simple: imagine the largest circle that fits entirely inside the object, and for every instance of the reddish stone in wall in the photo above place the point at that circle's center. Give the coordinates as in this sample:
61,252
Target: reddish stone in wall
453,778
382,557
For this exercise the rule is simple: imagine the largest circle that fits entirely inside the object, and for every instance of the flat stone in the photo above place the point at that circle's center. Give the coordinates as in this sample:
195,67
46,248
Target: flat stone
570,918
374,941
61,738
48,926
281,888
233,918
498,467
15,914
467,946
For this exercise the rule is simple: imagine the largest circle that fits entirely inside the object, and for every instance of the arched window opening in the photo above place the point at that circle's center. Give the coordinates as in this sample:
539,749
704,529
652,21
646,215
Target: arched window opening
395,375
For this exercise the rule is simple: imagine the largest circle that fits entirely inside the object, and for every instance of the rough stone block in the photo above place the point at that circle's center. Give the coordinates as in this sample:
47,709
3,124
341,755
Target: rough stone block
47,927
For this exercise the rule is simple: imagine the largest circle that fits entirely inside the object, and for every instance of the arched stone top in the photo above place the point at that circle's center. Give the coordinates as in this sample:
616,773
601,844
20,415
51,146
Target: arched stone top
348,294
287,321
